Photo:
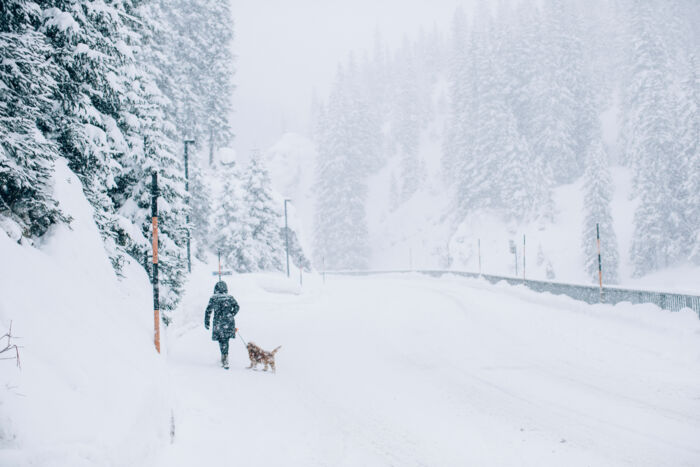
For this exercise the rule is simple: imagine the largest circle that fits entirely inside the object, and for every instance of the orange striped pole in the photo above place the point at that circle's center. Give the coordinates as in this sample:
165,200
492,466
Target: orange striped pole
154,219
600,262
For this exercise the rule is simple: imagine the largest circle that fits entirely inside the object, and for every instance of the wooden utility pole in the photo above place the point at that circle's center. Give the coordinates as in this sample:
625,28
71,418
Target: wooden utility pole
154,279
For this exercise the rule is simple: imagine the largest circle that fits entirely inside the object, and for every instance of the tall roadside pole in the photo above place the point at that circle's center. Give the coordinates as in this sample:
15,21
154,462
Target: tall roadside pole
187,216
286,233
523,257
154,279
600,262
478,243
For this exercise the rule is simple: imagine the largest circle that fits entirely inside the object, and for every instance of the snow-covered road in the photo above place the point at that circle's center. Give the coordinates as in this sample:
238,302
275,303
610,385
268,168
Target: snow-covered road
408,370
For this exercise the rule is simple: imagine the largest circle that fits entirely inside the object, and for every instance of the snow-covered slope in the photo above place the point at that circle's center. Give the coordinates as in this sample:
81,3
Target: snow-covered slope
292,162
91,389
426,232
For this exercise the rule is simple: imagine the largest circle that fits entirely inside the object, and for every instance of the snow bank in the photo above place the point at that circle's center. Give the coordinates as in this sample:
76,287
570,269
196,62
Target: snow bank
91,389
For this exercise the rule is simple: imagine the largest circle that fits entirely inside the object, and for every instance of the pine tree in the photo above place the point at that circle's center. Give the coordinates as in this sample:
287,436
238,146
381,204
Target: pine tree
457,139
689,144
296,252
598,192
231,228
27,87
651,148
340,227
91,45
201,210
217,85
195,50
408,124
263,218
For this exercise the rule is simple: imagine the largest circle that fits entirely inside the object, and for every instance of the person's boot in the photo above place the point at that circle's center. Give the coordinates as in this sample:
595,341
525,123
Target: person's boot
224,361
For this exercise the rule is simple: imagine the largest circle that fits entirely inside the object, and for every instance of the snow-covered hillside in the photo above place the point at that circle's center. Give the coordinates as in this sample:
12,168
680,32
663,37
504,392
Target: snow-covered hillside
427,231
543,120
91,389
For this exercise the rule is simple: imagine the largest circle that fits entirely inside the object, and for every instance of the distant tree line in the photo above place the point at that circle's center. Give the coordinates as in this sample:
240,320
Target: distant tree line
513,98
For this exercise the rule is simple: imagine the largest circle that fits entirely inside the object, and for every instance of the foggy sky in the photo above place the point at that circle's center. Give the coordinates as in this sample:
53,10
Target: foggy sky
287,48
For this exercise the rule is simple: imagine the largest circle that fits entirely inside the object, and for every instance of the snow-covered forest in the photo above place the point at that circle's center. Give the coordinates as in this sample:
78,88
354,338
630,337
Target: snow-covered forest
115,89
488,116
515,100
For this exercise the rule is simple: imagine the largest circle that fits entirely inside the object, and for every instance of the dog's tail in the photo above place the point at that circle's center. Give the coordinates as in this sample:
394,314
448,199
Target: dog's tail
275,351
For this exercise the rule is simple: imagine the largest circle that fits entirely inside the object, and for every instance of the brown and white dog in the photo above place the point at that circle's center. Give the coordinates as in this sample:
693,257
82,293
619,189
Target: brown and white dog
258,355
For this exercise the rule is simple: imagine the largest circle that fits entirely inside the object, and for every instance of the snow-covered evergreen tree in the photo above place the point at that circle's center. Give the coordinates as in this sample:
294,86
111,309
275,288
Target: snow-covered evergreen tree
101,84
296,252
457,140
598,192
650,148
408,123
217,57
195,49
340,227
689,145
28,85
263,218
200,209
231,228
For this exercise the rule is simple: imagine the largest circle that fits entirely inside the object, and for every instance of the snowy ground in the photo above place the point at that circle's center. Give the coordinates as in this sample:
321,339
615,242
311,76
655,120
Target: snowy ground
408,370
385,370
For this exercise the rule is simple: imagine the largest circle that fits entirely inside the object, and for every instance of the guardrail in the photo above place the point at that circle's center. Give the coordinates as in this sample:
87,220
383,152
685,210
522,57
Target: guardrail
586,293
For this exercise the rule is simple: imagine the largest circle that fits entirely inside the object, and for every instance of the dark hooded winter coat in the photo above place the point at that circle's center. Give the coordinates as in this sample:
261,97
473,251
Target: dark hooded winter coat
224,308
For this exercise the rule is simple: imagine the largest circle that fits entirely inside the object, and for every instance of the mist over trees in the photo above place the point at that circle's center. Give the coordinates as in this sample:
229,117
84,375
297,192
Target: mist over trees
514,96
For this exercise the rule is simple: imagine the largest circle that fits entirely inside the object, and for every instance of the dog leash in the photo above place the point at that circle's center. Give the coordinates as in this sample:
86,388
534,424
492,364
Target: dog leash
242,340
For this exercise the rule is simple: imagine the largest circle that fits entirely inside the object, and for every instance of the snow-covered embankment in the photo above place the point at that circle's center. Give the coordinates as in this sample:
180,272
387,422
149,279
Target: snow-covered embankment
91,389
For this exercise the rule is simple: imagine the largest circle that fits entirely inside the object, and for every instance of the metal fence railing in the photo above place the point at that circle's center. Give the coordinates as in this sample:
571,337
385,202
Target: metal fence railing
586,293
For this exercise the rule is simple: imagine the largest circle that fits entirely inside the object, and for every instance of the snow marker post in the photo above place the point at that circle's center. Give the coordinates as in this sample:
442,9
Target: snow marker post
154,219
324,269
286,233
187,215
600,262
220,272
478,243
523,257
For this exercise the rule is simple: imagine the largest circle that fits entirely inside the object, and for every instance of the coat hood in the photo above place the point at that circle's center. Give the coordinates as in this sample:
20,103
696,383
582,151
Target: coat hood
221,287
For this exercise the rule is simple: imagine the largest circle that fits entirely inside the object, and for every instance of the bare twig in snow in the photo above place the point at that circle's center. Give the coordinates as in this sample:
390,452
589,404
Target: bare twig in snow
9,346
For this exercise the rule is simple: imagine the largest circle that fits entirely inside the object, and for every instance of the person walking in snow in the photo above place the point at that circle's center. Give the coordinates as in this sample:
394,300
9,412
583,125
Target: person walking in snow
224,307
